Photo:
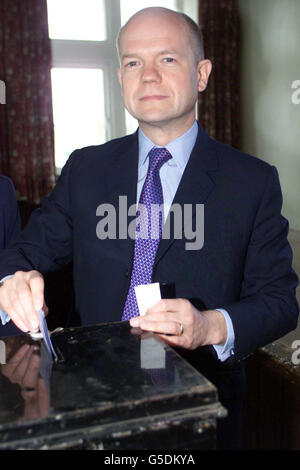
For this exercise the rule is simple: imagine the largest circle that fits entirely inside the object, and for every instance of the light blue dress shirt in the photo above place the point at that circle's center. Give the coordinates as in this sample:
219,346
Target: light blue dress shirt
170,175
4,318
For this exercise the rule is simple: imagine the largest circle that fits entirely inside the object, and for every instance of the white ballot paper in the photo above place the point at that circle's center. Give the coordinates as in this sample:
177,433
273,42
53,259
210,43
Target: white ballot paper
45,333
147,295
153,354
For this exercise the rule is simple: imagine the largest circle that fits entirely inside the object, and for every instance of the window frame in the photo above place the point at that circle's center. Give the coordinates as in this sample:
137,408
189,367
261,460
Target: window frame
98,54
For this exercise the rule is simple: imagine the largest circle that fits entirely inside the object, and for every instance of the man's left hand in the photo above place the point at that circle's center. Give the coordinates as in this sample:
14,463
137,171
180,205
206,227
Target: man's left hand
179,323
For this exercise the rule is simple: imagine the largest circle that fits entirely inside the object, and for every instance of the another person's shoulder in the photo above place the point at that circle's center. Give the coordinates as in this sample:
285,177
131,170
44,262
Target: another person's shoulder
6,187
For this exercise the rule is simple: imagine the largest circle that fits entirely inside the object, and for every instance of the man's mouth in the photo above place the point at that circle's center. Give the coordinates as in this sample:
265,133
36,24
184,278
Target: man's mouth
153,98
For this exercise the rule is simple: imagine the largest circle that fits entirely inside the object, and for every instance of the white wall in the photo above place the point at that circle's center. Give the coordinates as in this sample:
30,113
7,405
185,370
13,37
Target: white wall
270,56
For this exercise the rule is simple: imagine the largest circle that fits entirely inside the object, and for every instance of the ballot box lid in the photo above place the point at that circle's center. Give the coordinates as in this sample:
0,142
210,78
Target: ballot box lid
106,374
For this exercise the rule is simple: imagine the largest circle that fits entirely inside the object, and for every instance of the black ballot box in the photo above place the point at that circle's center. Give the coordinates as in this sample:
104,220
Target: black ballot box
113,387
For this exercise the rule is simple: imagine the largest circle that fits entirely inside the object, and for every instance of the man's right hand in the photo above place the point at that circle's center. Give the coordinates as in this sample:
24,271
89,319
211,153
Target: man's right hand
21,296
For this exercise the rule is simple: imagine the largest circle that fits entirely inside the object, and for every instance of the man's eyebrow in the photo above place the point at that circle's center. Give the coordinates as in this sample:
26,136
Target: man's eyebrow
168,51
131,55
128,56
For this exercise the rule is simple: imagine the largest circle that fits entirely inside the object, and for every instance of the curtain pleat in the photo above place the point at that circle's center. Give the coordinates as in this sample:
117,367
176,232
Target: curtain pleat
26,120
219,104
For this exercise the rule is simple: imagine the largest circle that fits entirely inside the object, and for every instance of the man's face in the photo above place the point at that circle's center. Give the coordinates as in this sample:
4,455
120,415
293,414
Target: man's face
158,74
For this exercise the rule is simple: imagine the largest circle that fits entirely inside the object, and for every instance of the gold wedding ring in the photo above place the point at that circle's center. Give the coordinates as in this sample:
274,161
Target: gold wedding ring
181,329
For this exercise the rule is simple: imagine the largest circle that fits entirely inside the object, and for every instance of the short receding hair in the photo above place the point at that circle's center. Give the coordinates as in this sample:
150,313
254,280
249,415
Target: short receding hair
194,30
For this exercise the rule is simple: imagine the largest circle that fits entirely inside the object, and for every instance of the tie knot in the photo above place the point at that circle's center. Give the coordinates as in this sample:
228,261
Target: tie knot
157,157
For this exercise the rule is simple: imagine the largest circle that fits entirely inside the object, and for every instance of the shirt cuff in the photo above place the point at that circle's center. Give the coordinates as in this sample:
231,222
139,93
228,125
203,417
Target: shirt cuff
3,316
224,351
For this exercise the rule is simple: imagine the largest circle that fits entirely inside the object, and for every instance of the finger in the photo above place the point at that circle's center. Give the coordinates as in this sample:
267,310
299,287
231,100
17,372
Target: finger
161,315
172,320
31,410
36,282
43,398
146,321
164,310
177,341
18,313
169,305
25,297
32,372
163,327
8,369
15,317
20,369
30,396
19,355
162,305
7,306
45,309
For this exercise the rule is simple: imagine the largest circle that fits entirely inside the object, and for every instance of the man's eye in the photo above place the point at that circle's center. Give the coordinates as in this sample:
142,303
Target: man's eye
169,59
131,64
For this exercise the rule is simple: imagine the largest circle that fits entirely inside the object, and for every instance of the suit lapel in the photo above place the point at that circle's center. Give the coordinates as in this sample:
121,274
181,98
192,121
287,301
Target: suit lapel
121,180
196,184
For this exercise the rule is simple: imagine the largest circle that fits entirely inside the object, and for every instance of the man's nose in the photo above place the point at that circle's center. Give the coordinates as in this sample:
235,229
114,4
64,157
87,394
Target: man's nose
151,74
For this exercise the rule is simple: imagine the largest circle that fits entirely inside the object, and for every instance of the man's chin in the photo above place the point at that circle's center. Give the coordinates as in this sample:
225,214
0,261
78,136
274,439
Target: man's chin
153,114
153,118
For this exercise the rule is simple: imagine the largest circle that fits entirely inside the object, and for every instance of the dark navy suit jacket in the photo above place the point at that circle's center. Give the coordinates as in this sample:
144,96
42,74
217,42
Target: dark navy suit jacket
10,228
244,265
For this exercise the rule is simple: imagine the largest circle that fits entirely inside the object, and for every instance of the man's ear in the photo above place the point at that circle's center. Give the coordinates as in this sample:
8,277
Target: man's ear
120,77
204,69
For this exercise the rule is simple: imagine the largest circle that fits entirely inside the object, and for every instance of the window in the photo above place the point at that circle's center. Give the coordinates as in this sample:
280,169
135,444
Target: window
78,107
87,100
77,20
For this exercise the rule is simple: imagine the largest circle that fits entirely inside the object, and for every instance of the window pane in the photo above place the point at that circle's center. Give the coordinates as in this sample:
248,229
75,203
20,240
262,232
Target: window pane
131,123
77,19
78,110
130,8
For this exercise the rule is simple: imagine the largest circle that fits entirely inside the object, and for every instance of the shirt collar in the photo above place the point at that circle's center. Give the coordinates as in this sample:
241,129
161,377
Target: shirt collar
180,148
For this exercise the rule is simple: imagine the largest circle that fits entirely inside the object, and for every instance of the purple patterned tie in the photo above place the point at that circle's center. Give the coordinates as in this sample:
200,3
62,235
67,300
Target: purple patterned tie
148,229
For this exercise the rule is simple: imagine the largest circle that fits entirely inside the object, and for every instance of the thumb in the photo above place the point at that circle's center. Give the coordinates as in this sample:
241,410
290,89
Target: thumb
37,289
45,309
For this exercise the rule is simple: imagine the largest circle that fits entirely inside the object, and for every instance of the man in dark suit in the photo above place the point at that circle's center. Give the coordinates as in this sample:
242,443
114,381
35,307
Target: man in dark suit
10,228
234,294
